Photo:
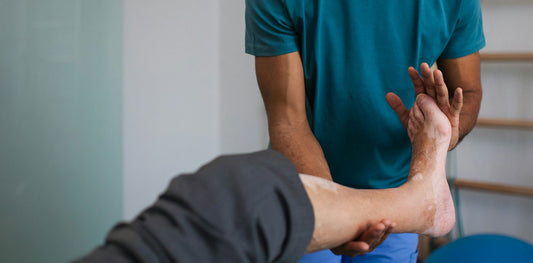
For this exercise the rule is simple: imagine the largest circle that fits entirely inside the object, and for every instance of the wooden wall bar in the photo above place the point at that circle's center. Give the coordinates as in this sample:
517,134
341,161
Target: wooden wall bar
503,123
524,56
493,187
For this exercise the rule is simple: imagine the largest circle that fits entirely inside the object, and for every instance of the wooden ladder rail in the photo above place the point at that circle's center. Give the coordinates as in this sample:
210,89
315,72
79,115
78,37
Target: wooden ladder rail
504,123
514,56
493,187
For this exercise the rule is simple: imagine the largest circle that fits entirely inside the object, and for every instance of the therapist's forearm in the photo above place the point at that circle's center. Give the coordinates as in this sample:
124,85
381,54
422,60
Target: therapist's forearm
297,142
469,113
282,85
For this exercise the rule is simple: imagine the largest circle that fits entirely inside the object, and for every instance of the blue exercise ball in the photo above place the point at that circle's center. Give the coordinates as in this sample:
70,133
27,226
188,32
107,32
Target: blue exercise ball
487,248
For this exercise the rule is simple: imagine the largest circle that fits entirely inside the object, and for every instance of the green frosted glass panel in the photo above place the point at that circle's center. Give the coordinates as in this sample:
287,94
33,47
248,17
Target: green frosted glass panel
60,127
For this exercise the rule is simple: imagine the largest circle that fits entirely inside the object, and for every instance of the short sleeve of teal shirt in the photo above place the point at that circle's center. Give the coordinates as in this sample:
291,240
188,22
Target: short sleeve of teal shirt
269,30
468,35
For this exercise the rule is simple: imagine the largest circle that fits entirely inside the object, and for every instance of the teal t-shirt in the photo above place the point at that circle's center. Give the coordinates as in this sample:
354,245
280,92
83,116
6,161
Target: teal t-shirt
353,53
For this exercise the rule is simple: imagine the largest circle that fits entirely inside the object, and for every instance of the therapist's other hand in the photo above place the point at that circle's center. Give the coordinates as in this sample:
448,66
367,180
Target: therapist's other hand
368,241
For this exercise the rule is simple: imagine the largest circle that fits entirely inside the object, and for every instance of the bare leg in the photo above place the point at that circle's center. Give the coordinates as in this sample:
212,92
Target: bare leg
422,205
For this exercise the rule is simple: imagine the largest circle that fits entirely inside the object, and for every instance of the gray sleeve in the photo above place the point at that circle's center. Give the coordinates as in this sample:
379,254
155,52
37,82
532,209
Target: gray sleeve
240,208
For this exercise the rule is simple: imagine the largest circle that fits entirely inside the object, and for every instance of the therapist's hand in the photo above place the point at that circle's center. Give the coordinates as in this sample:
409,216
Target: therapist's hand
433,85
368,241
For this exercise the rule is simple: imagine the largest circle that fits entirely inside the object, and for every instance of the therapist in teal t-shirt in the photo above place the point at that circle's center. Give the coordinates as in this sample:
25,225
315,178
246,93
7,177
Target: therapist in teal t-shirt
324,68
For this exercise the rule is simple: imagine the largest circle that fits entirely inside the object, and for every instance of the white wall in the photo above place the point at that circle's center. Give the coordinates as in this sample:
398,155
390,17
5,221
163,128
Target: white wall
243,126
171,93
190,92
502,155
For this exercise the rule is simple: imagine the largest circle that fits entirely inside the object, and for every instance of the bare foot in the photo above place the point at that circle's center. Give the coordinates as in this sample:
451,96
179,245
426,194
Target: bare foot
430,132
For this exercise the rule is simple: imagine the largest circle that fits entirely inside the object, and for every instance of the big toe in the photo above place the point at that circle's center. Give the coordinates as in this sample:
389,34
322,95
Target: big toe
433,114
427,105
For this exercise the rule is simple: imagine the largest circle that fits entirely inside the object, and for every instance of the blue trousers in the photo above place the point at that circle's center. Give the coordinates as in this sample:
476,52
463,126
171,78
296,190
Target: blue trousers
398,248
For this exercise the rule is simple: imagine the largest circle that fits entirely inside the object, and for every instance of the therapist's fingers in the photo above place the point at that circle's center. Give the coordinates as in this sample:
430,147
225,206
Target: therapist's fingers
429,81
397,105
352,249
418,83
457,104
380,234
366,242
390,227
441,89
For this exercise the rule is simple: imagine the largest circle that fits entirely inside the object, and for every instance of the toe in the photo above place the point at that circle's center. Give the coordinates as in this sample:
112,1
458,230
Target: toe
417,113
426,103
